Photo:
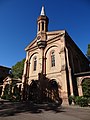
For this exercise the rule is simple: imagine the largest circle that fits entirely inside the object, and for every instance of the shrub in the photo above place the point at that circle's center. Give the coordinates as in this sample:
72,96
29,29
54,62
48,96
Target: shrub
71,99
81,101
3,97
6,97
86,87
89,101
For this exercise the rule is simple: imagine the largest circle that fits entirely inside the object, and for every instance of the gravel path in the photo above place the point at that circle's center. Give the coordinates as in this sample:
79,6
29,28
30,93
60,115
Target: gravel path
27,111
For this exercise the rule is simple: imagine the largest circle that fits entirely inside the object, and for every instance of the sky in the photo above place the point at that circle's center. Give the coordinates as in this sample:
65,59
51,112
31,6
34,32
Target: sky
18,24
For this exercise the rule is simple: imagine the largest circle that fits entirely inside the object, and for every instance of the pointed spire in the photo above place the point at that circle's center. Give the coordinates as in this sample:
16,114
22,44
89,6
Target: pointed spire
43,11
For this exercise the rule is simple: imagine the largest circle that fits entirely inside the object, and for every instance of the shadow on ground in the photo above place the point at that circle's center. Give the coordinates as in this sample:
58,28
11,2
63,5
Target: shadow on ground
11,109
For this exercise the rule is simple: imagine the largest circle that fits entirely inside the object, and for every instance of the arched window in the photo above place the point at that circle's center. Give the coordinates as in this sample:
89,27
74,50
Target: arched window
42,26
52,59
39,27
35,63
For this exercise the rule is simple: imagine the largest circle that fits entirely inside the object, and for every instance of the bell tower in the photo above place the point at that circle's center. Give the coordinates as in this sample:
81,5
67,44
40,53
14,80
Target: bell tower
42,28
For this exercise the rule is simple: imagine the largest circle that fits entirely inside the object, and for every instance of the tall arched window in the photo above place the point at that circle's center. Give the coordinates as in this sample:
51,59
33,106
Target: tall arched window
35,63
42,26
39,27
52,59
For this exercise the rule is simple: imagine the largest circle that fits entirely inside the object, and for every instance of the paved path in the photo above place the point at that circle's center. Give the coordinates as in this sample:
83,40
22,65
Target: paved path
24,111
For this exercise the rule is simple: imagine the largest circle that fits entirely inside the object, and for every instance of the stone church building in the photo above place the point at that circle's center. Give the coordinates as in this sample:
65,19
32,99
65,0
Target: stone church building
52,60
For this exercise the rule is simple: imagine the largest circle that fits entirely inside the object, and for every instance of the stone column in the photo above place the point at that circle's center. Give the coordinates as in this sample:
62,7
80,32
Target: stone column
24,74
70,81
64,78
3,89
41,61
69,71
12,90
64,89
24,77
79,81
80,92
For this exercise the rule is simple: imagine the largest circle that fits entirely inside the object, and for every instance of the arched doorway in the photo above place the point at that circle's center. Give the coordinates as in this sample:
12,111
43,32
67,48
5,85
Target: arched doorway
34,91
16,93
53,92
49,93
7,91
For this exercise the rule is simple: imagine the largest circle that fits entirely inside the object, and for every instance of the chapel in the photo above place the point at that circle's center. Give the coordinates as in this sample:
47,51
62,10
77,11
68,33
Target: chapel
52,62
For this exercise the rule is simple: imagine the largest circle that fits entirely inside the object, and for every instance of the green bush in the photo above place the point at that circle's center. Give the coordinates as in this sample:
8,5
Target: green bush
81,101
89,101
86,87
6,97
3,97
71,99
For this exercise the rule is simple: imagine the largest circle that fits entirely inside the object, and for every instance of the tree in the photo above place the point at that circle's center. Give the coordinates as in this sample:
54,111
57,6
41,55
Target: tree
88,52
17,69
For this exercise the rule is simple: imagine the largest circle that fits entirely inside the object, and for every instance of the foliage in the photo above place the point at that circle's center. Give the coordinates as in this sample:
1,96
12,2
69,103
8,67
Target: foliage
89,101
17,69
39,94
81,101
7,92
8,95
16,94
3,97
88,52
71,99
86,87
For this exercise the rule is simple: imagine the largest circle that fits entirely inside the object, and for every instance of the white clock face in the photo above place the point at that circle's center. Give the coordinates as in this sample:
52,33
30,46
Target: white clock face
38,38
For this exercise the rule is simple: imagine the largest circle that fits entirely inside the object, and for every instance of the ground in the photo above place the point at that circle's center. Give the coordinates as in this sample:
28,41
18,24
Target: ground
30,111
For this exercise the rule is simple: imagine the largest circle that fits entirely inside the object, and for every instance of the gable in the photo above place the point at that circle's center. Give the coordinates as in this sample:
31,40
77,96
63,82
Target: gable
32,45
50,36
54,34
7,79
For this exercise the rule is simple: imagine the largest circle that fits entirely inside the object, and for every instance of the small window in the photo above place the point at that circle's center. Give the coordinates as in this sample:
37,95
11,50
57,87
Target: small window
52,59
39,27
35,63
42,26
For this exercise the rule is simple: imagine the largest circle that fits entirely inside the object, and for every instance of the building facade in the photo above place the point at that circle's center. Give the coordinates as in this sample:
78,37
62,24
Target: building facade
52,59
4,72
11,86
